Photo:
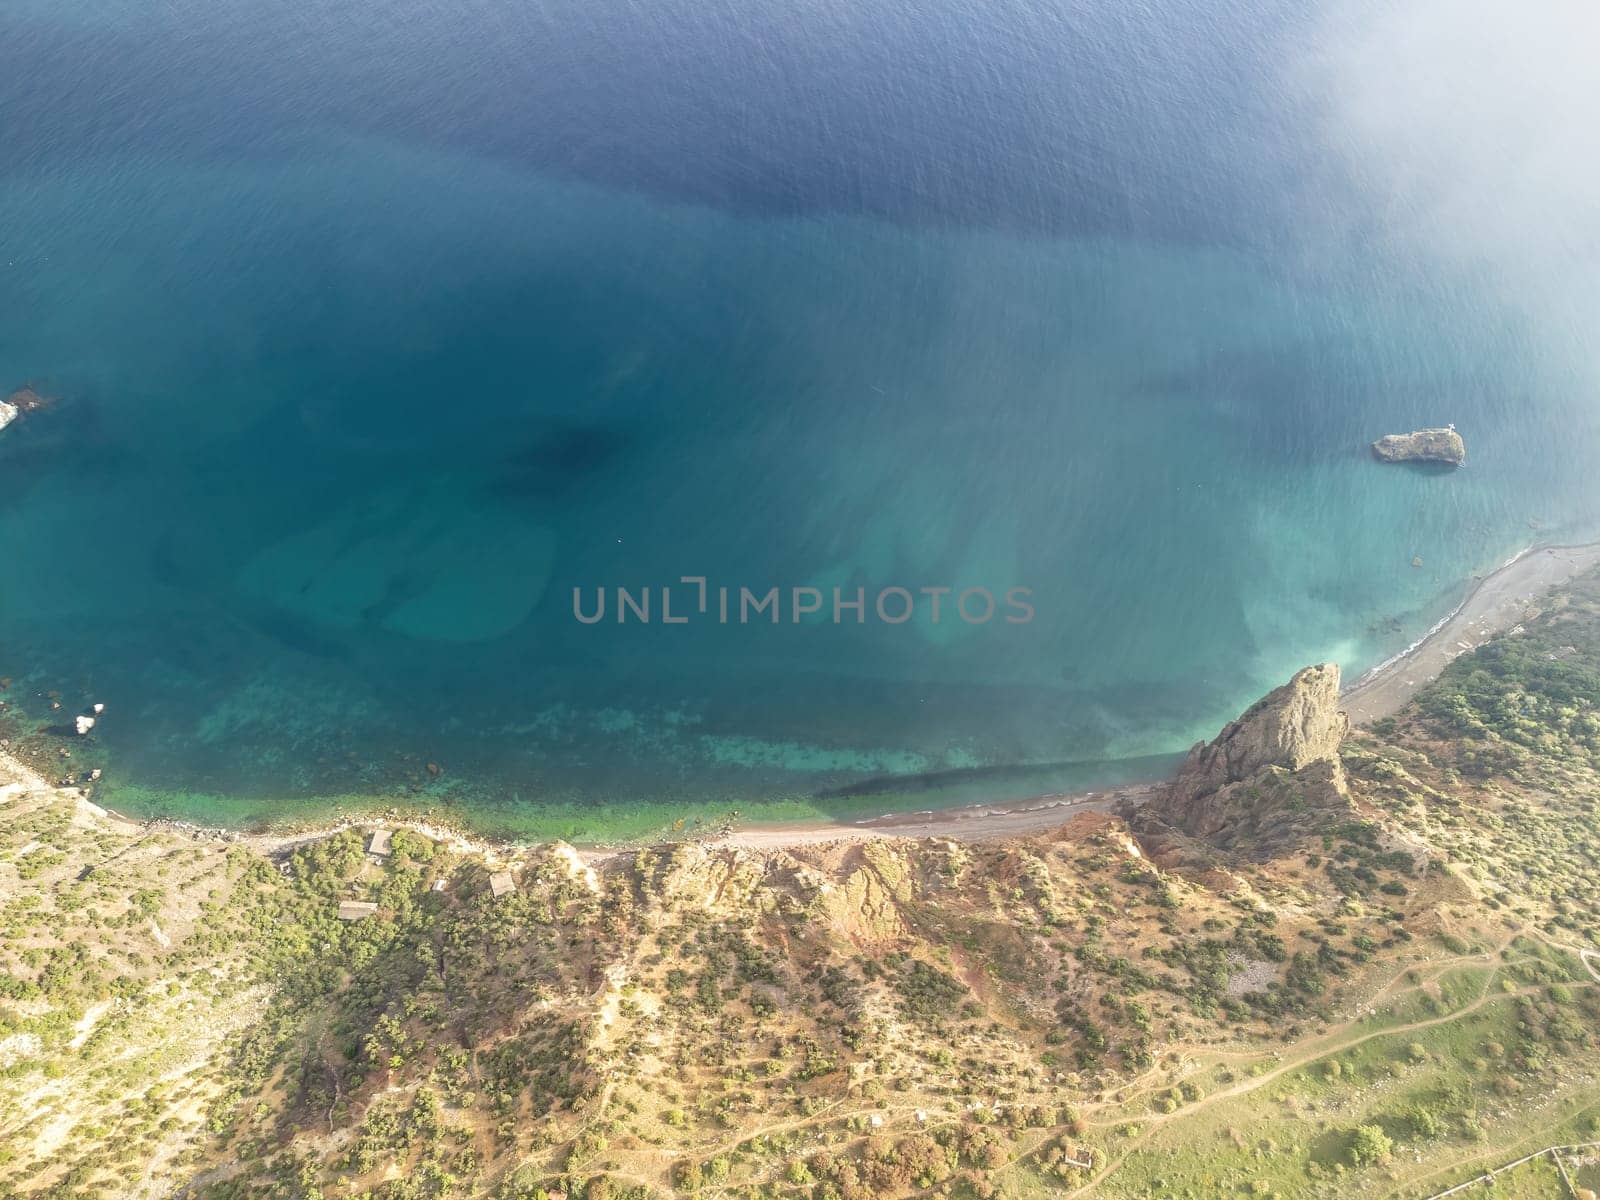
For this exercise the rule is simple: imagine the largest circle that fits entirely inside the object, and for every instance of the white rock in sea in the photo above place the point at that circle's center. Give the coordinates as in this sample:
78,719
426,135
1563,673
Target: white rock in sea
8,413
83,725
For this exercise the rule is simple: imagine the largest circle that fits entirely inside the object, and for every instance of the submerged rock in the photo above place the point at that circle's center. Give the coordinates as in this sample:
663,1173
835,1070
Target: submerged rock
1425,445
26,400
21,402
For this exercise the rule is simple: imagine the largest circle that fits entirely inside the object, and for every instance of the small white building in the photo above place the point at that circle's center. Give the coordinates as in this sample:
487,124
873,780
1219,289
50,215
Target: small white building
379,844
502,884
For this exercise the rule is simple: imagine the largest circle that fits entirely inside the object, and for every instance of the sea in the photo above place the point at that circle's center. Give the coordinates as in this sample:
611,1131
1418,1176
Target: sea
387,341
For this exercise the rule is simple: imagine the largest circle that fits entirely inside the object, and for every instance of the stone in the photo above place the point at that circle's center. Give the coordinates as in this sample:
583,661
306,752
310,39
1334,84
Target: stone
1269,774
1424,445
1291,727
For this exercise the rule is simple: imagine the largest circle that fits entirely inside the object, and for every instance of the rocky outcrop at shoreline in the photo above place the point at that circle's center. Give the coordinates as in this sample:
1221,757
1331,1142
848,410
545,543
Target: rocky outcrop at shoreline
1291,727
1424,445
1268,775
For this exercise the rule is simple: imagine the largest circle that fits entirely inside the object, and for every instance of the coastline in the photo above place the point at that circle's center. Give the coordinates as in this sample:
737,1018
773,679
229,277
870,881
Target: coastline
977,822
1498,601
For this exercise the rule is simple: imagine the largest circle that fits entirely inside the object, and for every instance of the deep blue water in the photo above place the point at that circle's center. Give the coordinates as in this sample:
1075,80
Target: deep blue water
378,329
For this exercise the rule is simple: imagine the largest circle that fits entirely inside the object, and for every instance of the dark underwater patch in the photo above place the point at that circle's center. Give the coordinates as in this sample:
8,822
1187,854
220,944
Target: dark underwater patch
559,457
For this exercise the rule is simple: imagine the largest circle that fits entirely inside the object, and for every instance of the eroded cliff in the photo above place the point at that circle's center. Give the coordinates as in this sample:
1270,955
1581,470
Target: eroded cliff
1270,775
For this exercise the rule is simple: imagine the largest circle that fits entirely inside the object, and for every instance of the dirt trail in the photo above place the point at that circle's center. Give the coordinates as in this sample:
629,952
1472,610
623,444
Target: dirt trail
1155,1121
1330,1042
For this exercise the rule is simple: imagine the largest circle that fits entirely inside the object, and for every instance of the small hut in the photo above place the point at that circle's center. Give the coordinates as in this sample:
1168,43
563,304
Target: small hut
355,910
502,884
379,844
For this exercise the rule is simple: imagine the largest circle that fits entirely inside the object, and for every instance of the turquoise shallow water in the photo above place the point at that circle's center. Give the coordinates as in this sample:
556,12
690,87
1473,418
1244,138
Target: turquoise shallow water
367,358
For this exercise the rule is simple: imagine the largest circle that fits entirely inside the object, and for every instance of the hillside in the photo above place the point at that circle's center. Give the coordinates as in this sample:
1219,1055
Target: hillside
1316,965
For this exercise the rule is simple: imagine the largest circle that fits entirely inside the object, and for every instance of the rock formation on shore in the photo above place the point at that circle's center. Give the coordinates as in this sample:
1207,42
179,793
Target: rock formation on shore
1425,445
1268,776
8,413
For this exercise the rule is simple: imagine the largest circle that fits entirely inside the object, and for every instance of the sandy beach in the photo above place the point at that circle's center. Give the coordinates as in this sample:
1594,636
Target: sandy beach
1499,602
978,822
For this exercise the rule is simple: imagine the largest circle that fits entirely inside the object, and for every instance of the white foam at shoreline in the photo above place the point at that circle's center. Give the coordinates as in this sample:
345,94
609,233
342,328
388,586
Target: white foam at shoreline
1374,672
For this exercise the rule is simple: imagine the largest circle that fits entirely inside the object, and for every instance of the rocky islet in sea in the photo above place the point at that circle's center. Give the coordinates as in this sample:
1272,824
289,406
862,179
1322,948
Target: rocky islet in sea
1422,445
